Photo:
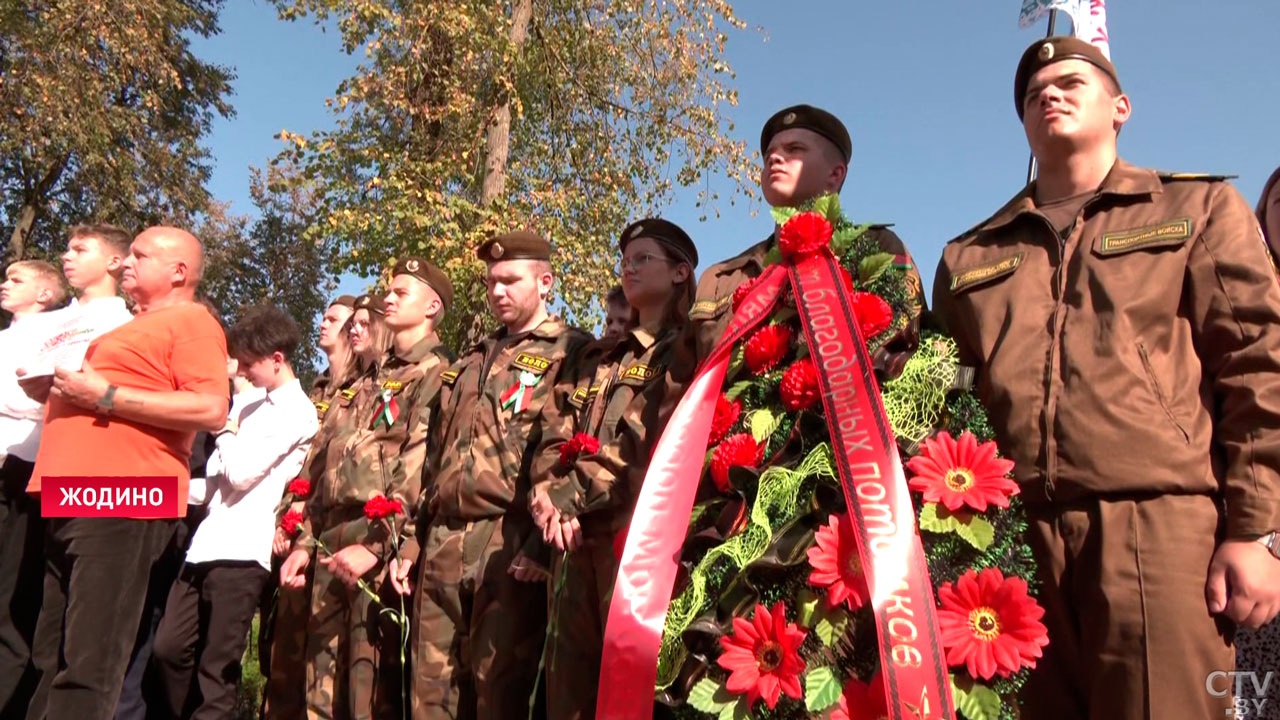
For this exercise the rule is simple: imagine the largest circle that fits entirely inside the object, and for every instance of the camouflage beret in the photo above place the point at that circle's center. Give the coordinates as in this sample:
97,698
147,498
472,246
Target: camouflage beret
371,303
1043,53
347,301
518,245
665,233
429,274
808,118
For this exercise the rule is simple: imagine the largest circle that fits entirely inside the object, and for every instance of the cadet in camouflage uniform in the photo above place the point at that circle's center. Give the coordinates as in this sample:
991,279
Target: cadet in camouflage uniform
377,450
478,627
619,391
282,636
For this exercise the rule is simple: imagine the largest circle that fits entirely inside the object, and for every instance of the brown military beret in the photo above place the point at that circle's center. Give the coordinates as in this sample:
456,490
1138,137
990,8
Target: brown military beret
371,303
809,118
1043,53
518,245
429,274
666,233
347,301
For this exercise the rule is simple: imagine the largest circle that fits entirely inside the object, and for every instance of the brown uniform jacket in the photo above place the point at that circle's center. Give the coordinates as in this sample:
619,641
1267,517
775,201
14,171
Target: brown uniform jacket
621,392
481,452
1139,355
713,308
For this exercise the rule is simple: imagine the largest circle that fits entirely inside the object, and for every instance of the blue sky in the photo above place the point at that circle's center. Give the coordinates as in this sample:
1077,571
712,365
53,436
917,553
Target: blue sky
924,87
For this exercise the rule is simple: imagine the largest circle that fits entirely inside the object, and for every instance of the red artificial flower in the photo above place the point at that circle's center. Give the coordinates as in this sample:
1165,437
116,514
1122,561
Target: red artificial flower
836,564
291,522
803,235
300,487
740,449
379,507
862,701
990,625
726,416
762,656
741,293
799,387
962,474
847,278
577,446
873,313
766,347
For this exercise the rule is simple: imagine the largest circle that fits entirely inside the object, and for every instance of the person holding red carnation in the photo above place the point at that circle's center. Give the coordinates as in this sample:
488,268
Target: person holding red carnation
806,152
203,632
1125,326
611,402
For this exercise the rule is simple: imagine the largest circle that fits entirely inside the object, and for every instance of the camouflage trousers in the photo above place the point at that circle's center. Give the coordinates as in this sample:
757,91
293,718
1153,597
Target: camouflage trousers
352,651
478,632
284,697
582,586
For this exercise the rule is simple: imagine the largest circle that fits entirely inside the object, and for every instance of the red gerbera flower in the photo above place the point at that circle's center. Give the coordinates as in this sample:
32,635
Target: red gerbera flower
740,449
960,474
862,701
799,387
803,235
989,624
300,487
379,507
580,444
740,293
291,522
873,313
727,414
762,656
836,565
766,347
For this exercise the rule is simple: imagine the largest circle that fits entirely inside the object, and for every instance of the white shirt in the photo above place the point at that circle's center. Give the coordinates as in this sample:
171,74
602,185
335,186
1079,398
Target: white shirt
199,489
21,418
248,472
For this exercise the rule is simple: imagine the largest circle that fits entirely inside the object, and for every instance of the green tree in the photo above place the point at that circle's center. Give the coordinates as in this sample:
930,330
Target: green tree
102,110
569,117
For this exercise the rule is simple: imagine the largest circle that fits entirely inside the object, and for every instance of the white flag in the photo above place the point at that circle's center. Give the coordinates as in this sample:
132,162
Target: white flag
1033,10
1091,24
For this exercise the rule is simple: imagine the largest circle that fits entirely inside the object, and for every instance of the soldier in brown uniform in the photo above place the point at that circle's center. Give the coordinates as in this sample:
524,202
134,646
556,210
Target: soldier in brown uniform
806,152
282,636
1125,325
352,649
478,627
620,392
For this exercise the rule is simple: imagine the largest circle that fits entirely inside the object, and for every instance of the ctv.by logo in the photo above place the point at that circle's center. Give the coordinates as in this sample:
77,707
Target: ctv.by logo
1220,683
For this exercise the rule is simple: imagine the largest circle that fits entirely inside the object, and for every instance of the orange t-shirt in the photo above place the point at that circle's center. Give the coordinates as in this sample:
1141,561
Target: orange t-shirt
179,347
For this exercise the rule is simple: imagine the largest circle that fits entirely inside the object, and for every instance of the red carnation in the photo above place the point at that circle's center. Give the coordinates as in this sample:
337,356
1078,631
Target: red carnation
579,445
762,656
873,313
836,564
990,625
803,235
379,507
291,522
847,279
300,487
727,414
741,292
961,474
766,347
799,387
740,449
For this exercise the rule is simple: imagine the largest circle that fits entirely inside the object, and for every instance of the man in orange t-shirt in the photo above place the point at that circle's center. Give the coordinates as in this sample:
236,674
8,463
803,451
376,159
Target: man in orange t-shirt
133,410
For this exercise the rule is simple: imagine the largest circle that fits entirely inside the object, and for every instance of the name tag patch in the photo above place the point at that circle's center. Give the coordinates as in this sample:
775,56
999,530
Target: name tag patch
531,363
1169,233
967,278
392,385
707,308
639,372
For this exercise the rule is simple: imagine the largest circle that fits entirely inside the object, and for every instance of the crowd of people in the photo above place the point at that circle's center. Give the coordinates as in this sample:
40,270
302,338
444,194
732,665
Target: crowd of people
398,528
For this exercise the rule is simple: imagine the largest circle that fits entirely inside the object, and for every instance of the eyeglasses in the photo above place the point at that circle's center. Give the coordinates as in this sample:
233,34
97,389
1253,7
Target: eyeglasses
641,260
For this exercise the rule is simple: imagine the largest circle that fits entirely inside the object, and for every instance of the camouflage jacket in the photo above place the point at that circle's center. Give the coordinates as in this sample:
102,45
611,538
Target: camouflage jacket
484,443
379,446
322,391
333,403
621,392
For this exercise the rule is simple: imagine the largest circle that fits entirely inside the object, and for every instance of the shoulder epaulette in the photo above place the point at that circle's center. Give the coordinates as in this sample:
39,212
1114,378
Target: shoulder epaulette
1207,177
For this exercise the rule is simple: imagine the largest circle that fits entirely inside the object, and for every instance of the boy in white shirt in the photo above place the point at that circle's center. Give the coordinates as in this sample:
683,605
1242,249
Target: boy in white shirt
210,607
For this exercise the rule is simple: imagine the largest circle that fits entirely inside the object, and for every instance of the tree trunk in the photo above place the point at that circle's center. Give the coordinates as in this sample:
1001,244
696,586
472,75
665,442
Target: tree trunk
497,141
21,231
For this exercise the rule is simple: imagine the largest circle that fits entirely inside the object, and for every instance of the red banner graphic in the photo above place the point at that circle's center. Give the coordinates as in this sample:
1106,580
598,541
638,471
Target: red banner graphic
109,496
